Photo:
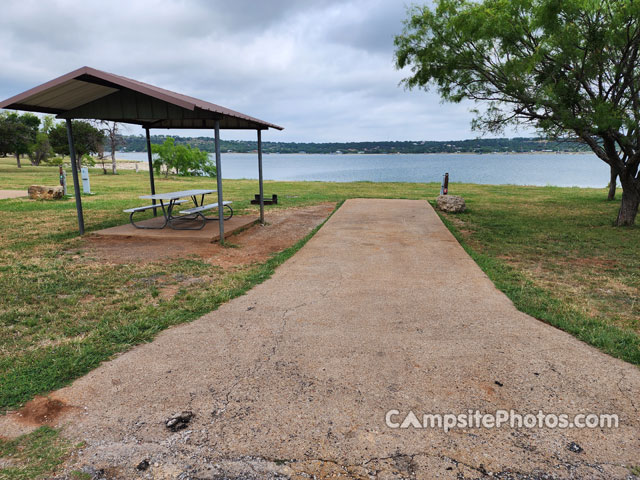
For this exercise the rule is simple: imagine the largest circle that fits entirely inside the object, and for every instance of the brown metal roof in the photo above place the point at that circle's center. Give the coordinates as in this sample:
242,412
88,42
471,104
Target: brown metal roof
90,93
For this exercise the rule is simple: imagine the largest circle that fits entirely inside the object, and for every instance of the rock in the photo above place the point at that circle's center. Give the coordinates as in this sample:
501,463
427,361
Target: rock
451,203
143,465
574,447
40,192
179,421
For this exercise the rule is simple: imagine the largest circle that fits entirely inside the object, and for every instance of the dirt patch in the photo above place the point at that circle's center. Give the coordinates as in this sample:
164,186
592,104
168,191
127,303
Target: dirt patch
283,229
589,262
255,244
41,411
592,262
462,227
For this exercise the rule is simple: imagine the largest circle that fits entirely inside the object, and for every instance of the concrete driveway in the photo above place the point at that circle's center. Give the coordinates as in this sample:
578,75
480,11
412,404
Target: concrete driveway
382,310
5,194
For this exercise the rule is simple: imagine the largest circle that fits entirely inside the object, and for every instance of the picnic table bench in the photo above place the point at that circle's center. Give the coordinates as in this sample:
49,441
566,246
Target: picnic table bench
177,198
204,208
147,207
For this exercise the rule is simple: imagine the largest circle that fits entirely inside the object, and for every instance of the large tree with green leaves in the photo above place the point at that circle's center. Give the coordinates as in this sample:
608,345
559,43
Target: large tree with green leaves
5,134
181,159
568,68
41,151
87,139
18,133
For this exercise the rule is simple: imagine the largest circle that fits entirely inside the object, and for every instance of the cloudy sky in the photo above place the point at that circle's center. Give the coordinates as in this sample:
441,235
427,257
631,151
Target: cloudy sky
323,69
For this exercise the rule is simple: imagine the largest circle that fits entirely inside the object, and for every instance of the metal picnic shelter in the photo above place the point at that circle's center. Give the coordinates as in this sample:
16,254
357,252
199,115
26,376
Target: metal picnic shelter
87,93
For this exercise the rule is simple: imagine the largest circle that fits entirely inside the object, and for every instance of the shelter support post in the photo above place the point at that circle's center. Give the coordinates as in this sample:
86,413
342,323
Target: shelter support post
151,179
260,176
76,183
219,182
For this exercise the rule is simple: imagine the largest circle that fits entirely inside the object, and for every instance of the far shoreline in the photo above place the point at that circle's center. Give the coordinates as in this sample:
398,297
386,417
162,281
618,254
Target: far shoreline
371,153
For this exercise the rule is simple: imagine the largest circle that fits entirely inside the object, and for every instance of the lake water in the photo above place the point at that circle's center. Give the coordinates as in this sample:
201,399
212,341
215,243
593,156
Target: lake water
565,170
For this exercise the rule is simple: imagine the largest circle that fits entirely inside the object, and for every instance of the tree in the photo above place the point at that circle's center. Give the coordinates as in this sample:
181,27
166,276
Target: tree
101,157
613,183
5,134
48,122
18,133
181,159
40,150
569,68
111,131
86,138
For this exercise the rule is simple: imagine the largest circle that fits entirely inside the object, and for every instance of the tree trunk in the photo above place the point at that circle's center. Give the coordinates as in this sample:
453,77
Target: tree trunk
18,160
630,201
612,184
113,161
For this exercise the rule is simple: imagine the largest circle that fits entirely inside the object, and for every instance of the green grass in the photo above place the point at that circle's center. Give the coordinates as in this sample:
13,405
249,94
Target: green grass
556,255
33,455
600,332
63,312
553,251
75,337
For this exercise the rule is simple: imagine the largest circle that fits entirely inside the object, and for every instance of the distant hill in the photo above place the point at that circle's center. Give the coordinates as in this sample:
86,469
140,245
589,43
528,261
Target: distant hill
137,143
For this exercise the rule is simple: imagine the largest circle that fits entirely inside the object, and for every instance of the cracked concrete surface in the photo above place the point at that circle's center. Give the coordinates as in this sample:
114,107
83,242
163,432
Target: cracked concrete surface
381,310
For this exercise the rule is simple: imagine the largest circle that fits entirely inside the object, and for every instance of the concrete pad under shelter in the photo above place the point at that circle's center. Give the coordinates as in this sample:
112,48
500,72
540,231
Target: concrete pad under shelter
210,232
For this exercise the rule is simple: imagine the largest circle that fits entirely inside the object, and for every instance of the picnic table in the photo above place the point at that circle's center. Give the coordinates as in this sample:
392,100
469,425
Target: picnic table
168,202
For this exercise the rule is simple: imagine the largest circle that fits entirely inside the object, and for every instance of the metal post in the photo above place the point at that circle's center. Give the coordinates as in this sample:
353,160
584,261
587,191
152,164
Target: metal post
76,183
151,180
260,176
63,180
219,182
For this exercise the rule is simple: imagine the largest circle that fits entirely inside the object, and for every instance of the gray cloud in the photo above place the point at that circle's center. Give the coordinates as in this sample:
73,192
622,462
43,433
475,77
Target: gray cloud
323,69
369,26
